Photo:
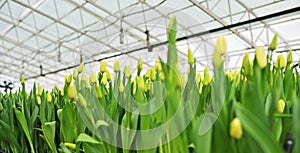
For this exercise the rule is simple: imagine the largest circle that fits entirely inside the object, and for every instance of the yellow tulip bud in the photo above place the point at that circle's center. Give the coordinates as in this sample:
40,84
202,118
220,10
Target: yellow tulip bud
140,64
108,75
153,74
82,100
69,79
22,79
261,57
290,57
127,71
40,90
116,66
49,97
206,79
93,78
140,83
38,100
162,76
98,91
200,87
245,60
157,65
62,92
191,58
103,66
121,87
221,45
148,73
70,145
104,79
80,68
75,74
280,106
83,77
198,77
280,63
273,44
236,128
72,92
134,87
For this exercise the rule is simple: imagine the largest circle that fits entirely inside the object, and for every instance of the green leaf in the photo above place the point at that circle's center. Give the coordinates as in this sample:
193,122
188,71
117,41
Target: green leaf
21,118
86,138
258,130
49,133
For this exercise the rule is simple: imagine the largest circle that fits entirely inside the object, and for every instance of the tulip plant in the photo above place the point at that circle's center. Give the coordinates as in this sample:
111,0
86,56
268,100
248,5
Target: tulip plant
255,109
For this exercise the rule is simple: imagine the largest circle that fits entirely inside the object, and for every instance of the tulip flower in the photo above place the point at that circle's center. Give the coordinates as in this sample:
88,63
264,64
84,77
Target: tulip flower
75,74
69,79
140,64
191,59
38,100
93,78
108,75
80,68
127,71
261,57
153,74
121,87
116,66
280,63
103,66
49,97
273,44
40,90
72,92
221,46
104,80
98,91
198,77
140,82
157,65
148,73
70,145
206,79
290,57
280,106
236,128
62,92
22,79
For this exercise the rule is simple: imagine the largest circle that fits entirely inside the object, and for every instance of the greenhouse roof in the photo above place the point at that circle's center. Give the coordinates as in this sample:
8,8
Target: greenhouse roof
45,39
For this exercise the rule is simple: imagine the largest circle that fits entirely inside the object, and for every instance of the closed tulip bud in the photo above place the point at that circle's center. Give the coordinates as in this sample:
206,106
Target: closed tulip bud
157,65
206,79
83,77
103,66
98,91
140,64
104,80
116,66
72,93
108,75
38,100
134,87
198,77
40,90
221,45
82,100
70,145
217,58
49,97
148,73
280,63
280,106
290,57
273,44
236,128
191,59
127,71
140,83
93,78
22,79
121,87
62,92
245,60
75,74
69,79
261,57
80,68
153,74
200,87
